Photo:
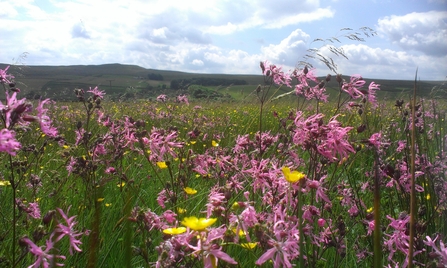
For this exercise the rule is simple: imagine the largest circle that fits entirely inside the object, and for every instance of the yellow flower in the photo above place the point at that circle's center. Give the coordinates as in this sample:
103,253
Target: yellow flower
5,183
174,231
427,196
292,176
162,165
198,224
100,199
108,204
249,245
181,210
369,210
193,142
241,232
235,206
214,143
190,191
121,184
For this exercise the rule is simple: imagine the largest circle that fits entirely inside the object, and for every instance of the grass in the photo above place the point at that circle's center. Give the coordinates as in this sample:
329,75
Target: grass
216,148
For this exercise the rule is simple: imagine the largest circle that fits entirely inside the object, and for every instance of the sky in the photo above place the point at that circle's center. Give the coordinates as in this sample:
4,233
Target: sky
230,36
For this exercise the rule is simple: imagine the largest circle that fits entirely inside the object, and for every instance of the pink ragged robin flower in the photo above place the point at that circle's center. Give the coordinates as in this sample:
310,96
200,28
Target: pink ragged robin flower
44,257
353,87
44,119
8,142
97,94
68,230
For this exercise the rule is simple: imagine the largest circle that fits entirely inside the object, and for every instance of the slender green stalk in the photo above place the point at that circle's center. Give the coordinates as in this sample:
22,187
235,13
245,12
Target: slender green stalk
377,229
300,227
128,231
413,204
14,211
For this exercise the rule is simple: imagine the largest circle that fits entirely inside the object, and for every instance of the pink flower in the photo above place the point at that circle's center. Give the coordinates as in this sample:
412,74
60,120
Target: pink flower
34,210
15,109
284,247
211,252
321,222
44,120
182,99
162,98
68,230
4,77
353,87
97,94
276,73
372,94
441,252
8,142
43,257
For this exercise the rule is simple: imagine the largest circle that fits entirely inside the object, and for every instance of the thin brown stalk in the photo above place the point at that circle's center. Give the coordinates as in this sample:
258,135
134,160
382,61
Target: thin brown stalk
413,204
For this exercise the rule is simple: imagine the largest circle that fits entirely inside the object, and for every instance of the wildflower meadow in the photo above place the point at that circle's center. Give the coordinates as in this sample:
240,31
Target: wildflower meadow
303,179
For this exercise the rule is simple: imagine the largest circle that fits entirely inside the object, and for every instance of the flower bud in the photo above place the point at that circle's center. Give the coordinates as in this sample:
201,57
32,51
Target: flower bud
321,222
261,64
321,85
48,217
361,128
338,78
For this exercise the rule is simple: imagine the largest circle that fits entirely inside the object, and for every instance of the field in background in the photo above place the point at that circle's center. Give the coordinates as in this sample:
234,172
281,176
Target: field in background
131,82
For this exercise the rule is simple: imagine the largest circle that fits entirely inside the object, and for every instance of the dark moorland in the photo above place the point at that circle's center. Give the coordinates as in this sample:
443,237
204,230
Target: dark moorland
127,82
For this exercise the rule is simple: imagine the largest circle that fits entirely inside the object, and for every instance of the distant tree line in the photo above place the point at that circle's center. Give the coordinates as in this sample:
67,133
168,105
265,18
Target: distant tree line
157,77
204,81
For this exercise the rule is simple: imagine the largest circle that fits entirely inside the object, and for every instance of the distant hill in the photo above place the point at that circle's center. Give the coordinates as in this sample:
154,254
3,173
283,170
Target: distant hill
58,82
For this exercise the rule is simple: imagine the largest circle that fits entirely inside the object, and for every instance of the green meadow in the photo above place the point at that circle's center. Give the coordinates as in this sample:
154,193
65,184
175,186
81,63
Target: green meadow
233,176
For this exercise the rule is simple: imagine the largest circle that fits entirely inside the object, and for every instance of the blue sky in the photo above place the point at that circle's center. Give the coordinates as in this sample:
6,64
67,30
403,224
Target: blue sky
228,36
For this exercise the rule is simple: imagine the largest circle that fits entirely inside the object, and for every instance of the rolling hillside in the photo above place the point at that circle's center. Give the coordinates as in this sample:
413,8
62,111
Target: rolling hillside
58,82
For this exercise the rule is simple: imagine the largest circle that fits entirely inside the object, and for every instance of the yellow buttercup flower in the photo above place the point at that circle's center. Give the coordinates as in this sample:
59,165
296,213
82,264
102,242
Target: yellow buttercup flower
235,206
174,231
197,224
181,210
162,165
214,143
190,191
241,232
5,183
249,245
292,176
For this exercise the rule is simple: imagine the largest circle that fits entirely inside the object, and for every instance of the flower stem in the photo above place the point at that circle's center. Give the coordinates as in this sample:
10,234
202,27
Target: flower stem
412,170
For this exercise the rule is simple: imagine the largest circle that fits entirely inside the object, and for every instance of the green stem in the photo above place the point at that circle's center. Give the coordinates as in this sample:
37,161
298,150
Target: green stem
413,189
300,227
377,229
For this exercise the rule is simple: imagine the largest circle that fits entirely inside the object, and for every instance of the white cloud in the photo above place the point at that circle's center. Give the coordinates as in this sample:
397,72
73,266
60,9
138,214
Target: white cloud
289,51
387,63
197,62
79,31
217,36
424,32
